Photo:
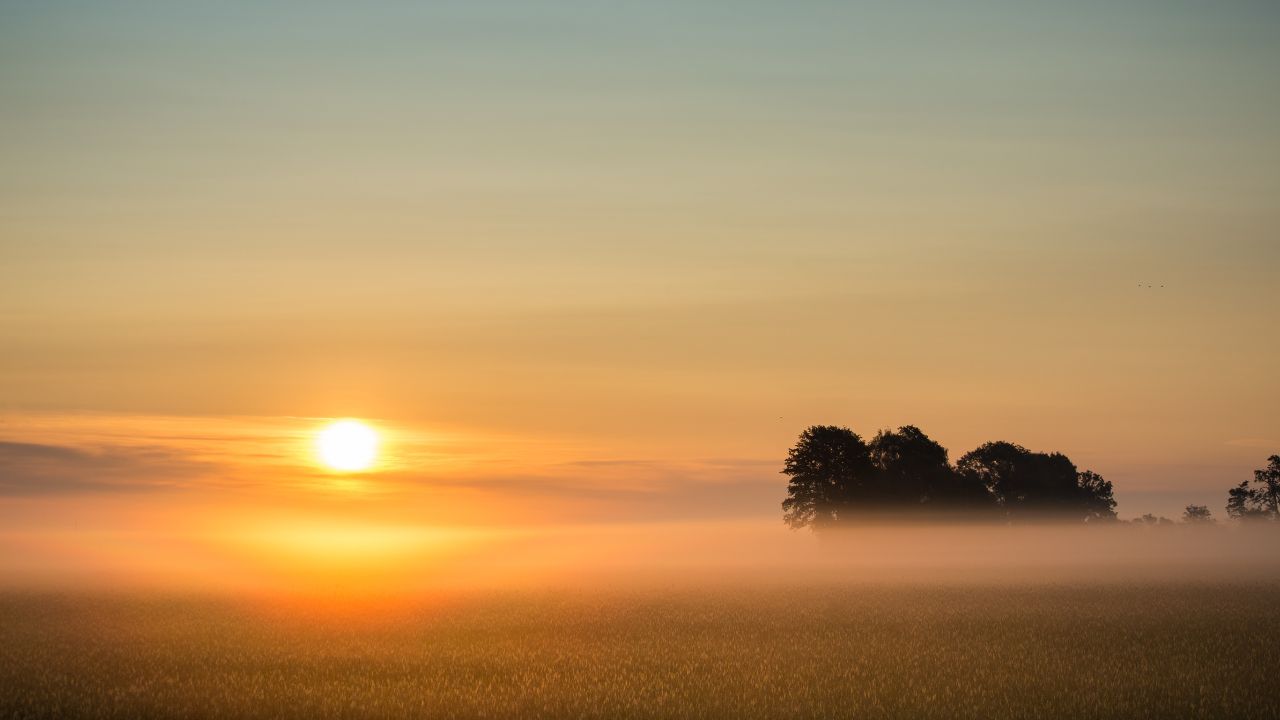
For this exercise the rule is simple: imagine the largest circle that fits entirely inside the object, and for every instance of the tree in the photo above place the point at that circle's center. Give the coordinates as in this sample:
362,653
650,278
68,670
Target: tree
1259,500
1152,520
829,469
997,466
1197,515
1028,484
914,475
1267,491
835,477
1097,496
1240,502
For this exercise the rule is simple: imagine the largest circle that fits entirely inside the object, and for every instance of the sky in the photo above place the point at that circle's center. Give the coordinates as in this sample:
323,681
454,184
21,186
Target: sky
602,262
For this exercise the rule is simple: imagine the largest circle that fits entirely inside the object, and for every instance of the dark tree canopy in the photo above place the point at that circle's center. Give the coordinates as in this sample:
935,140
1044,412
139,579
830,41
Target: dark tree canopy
1259,499
1031,485
996,465
836,477
1098,497
914,474
829,469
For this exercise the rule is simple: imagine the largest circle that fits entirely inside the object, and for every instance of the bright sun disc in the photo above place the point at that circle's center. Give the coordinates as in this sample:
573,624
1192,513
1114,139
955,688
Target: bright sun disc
348,445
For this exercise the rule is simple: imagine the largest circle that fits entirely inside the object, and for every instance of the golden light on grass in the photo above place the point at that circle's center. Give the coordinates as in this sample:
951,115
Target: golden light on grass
347,446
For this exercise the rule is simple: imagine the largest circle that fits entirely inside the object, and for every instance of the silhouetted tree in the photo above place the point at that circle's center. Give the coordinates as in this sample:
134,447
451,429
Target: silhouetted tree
1260,499
914,476
1197,514
830,469
1029,484
996,466
1153,520
1240,505
1098,497
835,477
1267,490
1238,502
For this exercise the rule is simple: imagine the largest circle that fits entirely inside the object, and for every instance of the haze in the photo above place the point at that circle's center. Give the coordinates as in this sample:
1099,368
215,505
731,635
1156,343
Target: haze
593,269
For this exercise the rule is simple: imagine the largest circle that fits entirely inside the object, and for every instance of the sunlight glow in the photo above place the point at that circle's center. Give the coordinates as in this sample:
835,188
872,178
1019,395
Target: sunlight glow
348,445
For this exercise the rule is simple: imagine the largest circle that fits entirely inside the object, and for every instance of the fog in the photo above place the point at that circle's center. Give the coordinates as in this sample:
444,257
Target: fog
307,556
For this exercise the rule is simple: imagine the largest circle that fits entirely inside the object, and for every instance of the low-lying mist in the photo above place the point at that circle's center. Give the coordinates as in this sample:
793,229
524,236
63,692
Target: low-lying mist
337,557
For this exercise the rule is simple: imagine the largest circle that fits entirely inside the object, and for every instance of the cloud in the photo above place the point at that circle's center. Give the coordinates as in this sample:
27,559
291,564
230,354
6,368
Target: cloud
32,469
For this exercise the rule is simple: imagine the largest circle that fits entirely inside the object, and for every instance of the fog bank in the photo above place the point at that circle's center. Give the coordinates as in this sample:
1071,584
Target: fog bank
337,556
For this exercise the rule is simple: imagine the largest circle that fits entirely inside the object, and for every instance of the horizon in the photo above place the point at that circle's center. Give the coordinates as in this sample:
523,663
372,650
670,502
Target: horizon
544,359
577,265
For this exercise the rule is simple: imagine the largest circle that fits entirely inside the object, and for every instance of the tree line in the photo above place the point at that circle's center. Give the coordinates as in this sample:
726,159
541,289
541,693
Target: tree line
836,477
1258,499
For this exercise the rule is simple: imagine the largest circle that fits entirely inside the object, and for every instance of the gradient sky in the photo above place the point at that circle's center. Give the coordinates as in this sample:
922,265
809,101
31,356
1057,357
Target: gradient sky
603,261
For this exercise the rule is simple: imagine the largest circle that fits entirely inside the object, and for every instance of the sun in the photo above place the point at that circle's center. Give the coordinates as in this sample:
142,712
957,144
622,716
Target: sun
347,445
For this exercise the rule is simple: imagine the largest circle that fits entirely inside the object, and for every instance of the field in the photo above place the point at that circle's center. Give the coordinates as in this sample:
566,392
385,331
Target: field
873,651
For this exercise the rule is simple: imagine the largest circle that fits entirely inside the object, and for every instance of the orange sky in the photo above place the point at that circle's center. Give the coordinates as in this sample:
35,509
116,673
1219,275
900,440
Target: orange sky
601,267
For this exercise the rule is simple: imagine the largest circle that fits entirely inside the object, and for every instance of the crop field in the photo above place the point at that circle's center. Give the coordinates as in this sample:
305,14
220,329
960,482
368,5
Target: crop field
865,651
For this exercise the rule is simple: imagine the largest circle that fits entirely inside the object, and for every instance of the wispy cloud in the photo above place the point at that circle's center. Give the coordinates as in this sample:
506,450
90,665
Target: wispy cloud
231,459
38,469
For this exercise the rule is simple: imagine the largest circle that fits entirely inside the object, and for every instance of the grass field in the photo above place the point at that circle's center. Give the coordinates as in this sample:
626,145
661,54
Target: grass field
1110,650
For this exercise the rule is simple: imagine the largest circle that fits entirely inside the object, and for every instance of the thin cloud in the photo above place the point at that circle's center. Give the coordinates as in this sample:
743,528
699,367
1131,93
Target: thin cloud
33,469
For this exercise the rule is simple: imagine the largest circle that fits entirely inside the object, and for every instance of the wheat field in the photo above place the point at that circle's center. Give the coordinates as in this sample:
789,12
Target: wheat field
873,651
